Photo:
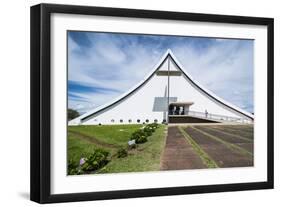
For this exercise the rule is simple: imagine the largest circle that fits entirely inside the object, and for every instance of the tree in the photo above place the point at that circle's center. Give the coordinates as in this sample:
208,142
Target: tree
71,114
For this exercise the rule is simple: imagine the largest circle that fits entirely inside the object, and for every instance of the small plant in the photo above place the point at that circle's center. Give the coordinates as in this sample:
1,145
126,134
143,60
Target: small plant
121,153
148,130
154,125
72,168
96,160
141,140
138,133
139,136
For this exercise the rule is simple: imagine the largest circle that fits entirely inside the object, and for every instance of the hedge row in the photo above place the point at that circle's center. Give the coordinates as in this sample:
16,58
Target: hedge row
140,136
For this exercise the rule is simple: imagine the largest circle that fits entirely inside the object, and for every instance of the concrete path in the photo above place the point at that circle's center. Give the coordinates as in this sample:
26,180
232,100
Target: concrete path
178,153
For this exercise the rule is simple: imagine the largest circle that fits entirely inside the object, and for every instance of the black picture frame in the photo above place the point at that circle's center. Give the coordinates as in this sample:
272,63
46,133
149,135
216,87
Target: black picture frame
41,99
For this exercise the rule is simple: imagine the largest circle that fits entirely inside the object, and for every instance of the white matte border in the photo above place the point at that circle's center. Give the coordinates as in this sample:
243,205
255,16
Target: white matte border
61,183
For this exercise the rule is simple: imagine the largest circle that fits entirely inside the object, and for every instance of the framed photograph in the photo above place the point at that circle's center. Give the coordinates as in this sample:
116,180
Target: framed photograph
132,103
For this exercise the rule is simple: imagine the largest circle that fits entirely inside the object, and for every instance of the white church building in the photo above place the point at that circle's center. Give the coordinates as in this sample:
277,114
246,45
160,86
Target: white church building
168,94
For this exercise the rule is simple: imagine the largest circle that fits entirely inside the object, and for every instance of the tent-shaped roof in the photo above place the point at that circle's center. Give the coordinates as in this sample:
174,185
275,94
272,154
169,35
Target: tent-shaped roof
159,66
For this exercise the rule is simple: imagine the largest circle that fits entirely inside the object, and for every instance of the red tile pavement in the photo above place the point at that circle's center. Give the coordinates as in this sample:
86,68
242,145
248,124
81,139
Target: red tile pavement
178,153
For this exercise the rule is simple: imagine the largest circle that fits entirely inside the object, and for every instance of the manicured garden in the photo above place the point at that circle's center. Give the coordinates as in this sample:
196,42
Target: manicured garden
115,148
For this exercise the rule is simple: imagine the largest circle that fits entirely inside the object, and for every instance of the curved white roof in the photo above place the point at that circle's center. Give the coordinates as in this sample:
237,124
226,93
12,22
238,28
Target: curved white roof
167,54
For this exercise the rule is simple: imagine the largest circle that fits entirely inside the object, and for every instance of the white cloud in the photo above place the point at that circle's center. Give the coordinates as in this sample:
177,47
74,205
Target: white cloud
225,68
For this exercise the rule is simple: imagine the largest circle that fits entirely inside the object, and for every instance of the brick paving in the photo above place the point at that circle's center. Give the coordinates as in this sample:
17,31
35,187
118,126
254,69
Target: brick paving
178,153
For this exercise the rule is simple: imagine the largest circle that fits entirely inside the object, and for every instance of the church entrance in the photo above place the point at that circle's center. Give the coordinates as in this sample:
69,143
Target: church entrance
179,108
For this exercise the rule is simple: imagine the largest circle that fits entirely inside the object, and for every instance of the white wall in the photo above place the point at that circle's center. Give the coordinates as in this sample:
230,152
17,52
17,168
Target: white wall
134,107
14,85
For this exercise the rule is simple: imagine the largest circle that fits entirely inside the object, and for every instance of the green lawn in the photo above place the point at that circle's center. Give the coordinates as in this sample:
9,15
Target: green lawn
146,157
77,148
112,134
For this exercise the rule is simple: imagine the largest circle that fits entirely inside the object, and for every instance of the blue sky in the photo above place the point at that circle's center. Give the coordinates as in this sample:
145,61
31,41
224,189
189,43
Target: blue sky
102,66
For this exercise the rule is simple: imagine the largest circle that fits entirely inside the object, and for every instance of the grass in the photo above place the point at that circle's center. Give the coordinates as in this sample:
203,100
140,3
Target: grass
78,148
207,160
111,134
146,157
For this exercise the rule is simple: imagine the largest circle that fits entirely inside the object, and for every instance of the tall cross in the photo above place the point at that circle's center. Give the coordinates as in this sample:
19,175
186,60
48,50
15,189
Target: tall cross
168,100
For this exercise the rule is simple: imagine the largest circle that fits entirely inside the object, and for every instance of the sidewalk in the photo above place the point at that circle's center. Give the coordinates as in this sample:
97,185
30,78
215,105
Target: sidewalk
178,153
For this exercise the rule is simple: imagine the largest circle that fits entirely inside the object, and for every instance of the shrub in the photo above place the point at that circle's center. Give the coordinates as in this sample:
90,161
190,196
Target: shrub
139,136
141,140
138,133
96,160
72,168
148,130
121,153
154,125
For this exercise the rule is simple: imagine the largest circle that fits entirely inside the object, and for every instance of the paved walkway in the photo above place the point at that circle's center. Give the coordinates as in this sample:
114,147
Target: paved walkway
178,153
